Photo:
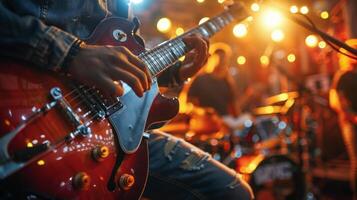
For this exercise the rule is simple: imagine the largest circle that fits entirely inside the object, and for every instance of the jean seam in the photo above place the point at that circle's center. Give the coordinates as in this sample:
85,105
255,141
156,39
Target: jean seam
178,184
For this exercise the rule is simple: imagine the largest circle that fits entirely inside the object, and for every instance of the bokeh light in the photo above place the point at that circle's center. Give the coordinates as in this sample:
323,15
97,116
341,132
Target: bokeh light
164,25
311,41
277,35
136,1
179,31
203,20
291,58
264,60
241,60
272,18
324,15
322,44
304,10
294,9
200,1
220,1
255,7
240,30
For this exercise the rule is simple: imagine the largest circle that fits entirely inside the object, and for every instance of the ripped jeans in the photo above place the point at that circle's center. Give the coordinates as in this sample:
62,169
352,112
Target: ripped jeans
179,170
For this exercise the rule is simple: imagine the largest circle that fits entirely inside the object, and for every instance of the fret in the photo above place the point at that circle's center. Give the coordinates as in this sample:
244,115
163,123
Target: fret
163,58
148,63
221,21
216,23
156,60
152,71
203,32
165,54
170,54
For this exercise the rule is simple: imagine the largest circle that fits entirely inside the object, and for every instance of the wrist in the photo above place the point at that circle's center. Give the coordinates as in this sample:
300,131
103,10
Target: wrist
72,53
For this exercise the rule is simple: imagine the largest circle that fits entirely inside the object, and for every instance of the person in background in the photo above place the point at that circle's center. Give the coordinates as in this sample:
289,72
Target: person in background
343,99
50,35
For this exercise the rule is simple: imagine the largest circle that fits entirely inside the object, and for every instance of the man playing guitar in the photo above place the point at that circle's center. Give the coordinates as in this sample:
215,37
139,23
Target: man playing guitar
50,35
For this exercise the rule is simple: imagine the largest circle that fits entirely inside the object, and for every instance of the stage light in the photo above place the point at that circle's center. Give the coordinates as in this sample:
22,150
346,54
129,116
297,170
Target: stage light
294,9
240,30
179,31
322,44
250,18
255,7
203,20
241,60
304,10
200,1
164,25
311,41
272,18
136,1
264,60
324,15
291,58
220,1
277,35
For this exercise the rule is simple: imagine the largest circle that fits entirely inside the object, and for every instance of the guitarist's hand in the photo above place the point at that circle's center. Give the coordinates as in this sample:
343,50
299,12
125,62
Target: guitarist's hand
100,66
196,58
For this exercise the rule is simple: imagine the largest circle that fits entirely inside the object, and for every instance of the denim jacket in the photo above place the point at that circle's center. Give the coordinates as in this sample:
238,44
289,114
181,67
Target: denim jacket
41,32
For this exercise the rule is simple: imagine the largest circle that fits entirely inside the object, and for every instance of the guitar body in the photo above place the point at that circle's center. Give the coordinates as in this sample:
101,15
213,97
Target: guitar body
71,169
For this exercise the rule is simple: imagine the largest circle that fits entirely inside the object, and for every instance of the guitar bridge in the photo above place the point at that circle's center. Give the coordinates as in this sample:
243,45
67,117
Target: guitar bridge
96,102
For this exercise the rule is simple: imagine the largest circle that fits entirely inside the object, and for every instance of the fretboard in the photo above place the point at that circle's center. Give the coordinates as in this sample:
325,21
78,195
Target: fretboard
165,54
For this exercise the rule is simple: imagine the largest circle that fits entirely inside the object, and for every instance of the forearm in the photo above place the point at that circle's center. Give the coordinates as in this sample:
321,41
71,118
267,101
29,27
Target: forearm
26,38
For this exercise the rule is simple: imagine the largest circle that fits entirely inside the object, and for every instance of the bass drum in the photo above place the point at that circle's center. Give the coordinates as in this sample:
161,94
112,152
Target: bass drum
275,177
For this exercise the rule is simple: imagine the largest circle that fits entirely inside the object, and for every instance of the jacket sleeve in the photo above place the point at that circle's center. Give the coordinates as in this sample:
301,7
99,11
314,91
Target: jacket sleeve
28,39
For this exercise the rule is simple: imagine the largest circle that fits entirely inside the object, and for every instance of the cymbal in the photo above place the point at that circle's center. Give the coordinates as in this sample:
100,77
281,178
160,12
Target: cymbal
281,97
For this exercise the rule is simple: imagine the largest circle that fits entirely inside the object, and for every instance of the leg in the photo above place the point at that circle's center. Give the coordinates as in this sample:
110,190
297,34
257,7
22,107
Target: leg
179,170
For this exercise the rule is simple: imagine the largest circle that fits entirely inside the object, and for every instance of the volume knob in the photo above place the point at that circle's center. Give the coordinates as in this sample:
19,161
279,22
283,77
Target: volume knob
126,181
81,181
99,153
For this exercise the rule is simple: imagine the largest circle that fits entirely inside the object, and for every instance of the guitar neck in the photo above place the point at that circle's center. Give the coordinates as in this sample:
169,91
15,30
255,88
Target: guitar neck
165,54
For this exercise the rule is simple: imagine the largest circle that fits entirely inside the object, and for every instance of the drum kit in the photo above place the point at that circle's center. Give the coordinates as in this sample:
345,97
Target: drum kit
262,146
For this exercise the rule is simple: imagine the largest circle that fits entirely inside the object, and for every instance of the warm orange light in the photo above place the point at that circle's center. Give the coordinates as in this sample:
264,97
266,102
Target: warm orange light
203,20
250,18
241,60
264,60
311,41
304,10
322,44
294,9
277,35
179,31
324,15
200,1
255,7
41,162
240,30
29,145
220,1
164,25
291,58
272,18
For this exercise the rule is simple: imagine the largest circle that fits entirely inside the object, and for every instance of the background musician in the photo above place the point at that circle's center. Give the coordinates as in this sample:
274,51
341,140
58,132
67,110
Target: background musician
49,35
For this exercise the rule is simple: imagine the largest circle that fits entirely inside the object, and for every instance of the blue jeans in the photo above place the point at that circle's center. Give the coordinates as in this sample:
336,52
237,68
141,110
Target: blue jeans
179,170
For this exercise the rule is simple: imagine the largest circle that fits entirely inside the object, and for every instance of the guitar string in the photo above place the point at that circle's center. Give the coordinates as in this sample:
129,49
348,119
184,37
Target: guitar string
174,41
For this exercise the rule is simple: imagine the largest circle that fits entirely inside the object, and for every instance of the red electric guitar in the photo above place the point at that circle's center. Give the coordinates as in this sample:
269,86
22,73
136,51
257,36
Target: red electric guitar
62,140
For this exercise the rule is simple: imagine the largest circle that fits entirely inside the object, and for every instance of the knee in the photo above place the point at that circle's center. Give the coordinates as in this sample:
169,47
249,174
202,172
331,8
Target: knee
239,189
